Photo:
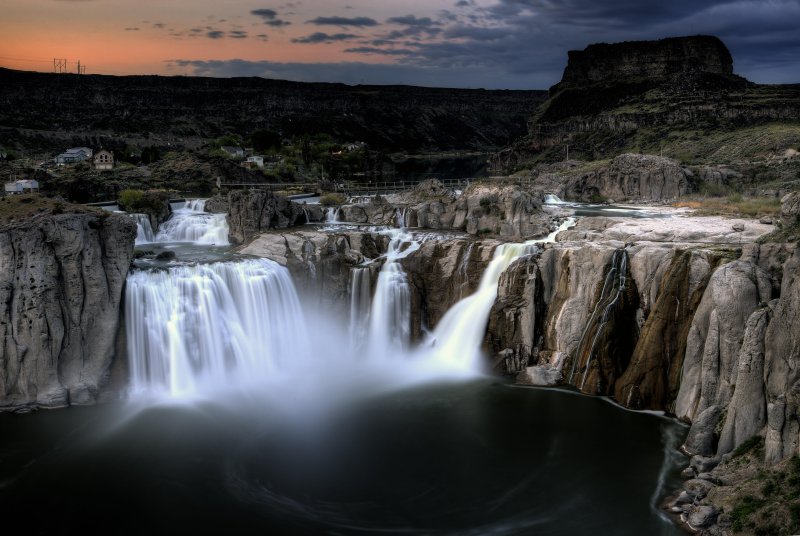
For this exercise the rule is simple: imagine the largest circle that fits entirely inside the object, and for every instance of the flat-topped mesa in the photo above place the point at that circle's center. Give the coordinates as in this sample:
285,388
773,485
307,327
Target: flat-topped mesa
609,63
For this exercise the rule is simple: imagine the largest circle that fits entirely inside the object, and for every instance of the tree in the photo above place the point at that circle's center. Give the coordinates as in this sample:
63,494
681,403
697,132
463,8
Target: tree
266,140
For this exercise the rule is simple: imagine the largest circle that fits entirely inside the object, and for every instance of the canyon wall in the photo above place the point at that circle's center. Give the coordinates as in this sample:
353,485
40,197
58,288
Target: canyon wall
61,280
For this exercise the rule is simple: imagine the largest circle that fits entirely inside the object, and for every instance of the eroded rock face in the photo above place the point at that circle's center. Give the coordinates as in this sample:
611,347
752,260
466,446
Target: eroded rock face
61,280
500,211
646,59
790,208
251,212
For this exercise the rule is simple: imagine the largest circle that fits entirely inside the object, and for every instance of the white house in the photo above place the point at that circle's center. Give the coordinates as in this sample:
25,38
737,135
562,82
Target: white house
73,156
21,186
103,160
254,161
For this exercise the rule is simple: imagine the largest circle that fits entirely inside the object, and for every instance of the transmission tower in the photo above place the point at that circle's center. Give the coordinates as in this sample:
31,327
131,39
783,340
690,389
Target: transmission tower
59,65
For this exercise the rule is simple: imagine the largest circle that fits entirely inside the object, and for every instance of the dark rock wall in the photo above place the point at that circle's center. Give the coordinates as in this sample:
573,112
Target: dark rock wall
61,280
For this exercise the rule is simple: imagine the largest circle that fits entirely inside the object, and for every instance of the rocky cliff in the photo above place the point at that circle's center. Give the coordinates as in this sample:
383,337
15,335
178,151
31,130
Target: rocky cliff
646,95
62,271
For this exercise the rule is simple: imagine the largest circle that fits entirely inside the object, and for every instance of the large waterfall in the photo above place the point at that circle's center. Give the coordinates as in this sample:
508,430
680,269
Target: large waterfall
195,329
144,231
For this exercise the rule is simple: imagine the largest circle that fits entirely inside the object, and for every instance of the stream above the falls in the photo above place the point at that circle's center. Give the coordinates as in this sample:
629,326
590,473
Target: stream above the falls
477,457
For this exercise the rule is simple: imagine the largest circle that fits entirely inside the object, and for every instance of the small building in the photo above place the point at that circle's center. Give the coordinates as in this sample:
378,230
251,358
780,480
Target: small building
233,152
254,161
22,186
103,160
73,156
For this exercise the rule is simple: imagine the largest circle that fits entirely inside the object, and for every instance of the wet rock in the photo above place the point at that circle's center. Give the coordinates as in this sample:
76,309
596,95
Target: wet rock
541,375
166,256
254,211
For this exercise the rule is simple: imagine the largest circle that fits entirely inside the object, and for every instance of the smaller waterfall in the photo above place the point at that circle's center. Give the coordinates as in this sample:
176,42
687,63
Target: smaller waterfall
462,270
390,314
360,300
191,223
144,231
401,217
457,338
551,199
613,289
332,215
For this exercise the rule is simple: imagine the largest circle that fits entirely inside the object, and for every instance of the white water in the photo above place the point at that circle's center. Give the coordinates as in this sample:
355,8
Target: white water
198,329
457,338
551,199
390,314
144,231
360,301
191,223
332,215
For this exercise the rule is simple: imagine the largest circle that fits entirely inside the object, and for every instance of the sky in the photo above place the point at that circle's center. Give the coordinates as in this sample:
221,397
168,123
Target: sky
492,44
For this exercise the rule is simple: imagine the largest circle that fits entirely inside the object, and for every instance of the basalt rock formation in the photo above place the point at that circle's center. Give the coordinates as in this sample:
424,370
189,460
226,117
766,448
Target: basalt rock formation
503,211
643,94
251,212
62,276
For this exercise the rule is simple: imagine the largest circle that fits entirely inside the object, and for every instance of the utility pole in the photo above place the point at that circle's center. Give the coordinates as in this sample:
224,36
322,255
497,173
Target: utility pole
567,151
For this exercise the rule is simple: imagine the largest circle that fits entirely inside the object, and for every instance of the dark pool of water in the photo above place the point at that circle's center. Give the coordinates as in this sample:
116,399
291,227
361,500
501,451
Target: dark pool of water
477,458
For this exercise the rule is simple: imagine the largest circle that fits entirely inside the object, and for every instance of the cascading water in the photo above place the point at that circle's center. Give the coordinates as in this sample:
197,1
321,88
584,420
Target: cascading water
390,315
360,300
613,289
144,231
332,215
195,329
457,338
191,223
552,199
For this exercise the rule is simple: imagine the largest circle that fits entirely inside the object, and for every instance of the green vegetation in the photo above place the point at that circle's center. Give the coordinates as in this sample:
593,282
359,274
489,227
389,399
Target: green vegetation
332,199
732,205
754,443
143,202
21,208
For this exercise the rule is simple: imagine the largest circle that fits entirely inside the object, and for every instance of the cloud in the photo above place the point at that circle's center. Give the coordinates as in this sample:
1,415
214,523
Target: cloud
132,29
322,37
379,51
215,34
270,17
411,20
344,21
237,34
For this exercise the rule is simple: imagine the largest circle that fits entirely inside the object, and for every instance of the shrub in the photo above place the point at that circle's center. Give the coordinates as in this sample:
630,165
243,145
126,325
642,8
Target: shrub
130,198
755,442
332,199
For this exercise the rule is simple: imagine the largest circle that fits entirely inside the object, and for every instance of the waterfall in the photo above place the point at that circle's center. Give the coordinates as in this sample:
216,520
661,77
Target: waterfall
332,215
458,336
462,270
390,314
360,287
613,289
144,231
551,199
191,223
401,217
195,329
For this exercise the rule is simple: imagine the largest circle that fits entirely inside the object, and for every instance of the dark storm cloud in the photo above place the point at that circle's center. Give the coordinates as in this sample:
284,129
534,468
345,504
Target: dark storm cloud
344,21
215,34
321,37
270,17
411,20
524,43
380,51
